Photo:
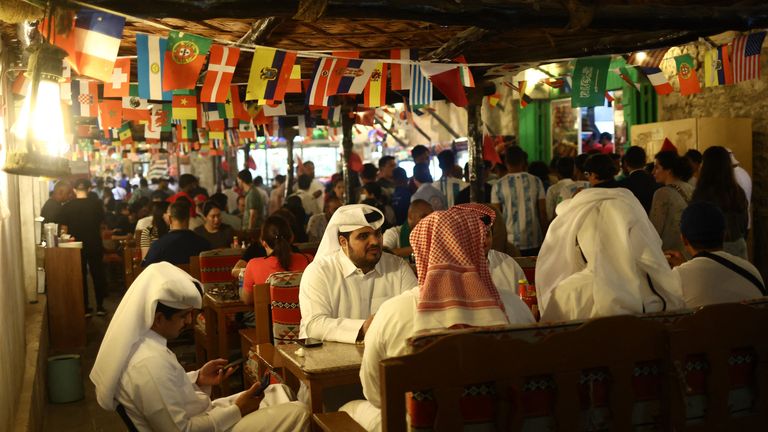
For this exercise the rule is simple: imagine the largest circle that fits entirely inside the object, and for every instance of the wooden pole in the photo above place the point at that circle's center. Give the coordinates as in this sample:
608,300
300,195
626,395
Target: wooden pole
475,145
347,122
289,134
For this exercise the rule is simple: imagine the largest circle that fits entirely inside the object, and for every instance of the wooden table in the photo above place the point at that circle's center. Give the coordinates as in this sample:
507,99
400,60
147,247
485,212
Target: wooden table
331,365
216,312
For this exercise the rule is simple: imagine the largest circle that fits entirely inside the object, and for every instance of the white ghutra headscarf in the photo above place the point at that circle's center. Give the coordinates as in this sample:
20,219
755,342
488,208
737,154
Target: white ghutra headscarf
347,219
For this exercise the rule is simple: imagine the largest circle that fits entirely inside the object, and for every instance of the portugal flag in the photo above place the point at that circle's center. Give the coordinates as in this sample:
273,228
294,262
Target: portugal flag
686,74
184,57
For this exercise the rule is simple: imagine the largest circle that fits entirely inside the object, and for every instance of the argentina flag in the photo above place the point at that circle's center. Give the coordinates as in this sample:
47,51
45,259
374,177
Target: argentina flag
421,87
150,50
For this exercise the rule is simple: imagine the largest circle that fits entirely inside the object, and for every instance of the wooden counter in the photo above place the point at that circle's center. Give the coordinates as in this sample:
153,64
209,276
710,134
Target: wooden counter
66,311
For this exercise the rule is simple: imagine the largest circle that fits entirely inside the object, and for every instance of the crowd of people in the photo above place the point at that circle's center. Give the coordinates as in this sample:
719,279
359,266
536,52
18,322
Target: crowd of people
611,236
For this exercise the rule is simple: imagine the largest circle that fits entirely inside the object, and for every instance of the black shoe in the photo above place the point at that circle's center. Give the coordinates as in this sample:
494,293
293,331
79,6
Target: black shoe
101,312
88,312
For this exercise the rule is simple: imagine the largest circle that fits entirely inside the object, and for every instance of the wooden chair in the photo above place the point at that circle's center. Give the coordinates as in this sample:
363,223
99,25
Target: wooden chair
720,356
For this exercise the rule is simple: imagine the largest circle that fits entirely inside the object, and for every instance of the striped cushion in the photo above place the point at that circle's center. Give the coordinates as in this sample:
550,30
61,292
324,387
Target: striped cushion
284,297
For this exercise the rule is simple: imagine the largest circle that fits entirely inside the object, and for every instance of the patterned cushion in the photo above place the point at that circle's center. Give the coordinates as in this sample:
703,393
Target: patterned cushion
284,297
216,265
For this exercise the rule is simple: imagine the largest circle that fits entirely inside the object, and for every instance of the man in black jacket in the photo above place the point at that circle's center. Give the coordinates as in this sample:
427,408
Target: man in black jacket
639,181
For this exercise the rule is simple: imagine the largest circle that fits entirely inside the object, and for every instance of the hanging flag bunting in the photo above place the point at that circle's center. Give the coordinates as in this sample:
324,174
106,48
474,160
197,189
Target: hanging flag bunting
153,127
686,74
650,58
467,80
271,70
421,87
64,38
111,114
623,73
609,97
294,82
555,83
346,54
524,98
21,85
274,110
118,83
221,69
349,76
150,61
489,150
238,109
658,80
247,130
97,38
163,116
717,67
184,57
185,130
375,93
316,95
65,85
746,56
134,107
401,73
447,79
589,79
213,116
85,95
184,107
494,99
125,134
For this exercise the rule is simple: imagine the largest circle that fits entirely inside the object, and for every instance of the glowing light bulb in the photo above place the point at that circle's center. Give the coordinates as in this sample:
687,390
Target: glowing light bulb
641,55
47,121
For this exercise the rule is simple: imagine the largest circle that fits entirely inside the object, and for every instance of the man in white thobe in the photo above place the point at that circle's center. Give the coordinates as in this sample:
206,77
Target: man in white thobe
135,369
350,277
443,298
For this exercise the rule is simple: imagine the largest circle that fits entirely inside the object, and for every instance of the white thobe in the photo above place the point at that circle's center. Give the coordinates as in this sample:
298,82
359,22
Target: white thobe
742,178
706,281
159,396
505,271
336,297
388,337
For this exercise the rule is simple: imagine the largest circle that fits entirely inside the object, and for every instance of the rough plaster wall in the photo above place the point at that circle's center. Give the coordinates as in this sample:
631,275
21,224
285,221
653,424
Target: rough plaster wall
747,99
202,167
501,120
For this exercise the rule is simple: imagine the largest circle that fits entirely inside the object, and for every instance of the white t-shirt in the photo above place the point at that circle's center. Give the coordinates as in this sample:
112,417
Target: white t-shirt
391,238
450,187
143,223
432,195
336,297
706,281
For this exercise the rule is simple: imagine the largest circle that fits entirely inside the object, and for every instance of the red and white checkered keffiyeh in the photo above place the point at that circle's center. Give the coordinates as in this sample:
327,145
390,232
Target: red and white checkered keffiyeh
455,286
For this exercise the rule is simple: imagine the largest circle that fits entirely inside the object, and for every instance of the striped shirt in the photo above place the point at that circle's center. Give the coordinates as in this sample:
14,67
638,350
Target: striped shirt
561,191
450,187
518,195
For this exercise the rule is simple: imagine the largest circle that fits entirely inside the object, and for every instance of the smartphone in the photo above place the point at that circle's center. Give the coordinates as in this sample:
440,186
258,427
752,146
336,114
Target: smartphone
310,343
235,363
264,384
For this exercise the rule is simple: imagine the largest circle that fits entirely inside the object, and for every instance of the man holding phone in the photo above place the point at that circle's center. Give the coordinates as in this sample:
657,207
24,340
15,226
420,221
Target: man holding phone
135,369
350,278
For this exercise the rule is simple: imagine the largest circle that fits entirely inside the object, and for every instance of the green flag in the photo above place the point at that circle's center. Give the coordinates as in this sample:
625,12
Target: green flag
589,79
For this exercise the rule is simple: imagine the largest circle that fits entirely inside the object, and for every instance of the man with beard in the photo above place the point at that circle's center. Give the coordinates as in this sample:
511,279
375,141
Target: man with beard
349,279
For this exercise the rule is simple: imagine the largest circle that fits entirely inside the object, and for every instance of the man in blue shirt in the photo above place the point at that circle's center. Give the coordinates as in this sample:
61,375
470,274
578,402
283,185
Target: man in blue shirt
179,243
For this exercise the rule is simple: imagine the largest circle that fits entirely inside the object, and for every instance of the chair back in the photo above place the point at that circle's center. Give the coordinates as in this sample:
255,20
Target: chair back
216,272
587,378
284,302
308,247
720,360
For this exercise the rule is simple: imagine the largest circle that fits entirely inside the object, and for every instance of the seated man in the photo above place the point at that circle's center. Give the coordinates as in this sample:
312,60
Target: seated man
601,257
135,369
317,223
350,277
396,238
178,244
713,275
456,290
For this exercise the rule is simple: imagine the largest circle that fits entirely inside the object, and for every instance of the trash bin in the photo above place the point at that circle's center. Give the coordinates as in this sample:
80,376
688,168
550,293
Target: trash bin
65,382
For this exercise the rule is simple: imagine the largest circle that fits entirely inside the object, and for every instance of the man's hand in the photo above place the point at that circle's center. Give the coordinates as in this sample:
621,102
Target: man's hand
364,328
674,258
248,401
212,373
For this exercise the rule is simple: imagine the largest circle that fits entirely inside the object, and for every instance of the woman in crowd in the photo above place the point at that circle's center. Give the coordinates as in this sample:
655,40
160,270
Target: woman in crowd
299,222
277,239
717,184
218,234
158,228
669,201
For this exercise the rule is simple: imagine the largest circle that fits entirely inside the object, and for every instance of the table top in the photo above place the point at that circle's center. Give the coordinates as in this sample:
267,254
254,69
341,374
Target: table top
330,357
217,302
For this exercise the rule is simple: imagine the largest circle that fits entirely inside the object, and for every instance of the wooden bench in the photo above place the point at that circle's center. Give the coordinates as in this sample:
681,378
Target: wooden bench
614,373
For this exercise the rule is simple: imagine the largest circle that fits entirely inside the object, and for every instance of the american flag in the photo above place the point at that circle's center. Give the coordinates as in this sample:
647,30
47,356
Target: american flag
650,58
746,56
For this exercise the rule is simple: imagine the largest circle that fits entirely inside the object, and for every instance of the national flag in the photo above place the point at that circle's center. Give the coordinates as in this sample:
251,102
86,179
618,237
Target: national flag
609,97
316,94
97,39
184,107
524,98
85,94
658,80
349,76
375,94
467,80
65,85
118,83
489,150
623,73
294,82
21,85
717,67
184,57
273,110
221,69
125,134
590,76
237,105
213,115
686,74
247,130
63,35
401,73
153,128
111,113
134,107
555,83
150,60
271,70
334,116
494,99
648,59
421,87
185,130
162,116
447,79
746,56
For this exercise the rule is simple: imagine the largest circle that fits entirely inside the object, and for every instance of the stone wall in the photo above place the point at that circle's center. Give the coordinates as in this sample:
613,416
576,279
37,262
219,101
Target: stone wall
747,99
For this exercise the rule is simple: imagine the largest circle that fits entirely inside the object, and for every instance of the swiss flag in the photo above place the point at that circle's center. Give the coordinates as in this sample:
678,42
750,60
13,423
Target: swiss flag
119,85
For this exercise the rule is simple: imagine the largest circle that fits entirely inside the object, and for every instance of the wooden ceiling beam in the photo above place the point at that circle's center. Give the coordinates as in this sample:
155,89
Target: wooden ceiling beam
458,44
261,30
